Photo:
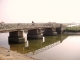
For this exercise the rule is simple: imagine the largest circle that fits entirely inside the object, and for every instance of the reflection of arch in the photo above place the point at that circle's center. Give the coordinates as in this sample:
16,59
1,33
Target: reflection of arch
43,49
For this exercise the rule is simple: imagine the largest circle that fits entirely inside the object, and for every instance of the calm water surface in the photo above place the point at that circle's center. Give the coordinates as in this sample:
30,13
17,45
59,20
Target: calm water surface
61,47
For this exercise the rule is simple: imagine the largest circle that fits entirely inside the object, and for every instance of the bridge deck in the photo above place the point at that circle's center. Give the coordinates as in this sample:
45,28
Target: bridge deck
27,26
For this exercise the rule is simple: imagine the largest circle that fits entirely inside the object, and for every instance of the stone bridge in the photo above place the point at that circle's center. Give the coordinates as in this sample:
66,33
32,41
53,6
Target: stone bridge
37,30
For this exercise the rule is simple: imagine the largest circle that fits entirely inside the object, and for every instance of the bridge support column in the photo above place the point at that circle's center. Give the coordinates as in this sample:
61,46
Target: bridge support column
59,29
16,37
49,32
34,34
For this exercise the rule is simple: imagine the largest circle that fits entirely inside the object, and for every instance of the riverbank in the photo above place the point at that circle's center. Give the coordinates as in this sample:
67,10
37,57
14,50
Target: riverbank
6,54
72,32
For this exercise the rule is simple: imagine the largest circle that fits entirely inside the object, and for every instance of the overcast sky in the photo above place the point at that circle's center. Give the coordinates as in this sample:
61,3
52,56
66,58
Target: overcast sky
23,11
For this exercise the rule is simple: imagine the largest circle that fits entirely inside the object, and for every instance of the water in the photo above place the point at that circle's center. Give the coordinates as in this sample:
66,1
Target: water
61,47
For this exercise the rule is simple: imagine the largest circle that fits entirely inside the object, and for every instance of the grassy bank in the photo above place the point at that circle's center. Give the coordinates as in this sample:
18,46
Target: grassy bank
74,28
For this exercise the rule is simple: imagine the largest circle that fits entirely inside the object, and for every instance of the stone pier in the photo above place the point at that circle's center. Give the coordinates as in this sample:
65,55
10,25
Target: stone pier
16,36
59,29
34,34
49,32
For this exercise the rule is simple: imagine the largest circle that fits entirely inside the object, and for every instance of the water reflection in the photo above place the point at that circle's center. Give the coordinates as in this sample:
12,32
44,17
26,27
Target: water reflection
43,49
69,49
48,48
4,40
25,39
43,40
33,45
27,44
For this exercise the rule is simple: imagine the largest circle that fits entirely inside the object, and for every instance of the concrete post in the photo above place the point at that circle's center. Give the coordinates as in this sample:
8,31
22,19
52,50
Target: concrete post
16,36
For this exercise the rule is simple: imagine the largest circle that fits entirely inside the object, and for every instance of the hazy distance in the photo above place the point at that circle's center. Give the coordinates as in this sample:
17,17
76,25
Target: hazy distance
24,11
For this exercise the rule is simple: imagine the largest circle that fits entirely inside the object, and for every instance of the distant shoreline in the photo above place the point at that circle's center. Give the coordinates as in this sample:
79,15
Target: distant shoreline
72,32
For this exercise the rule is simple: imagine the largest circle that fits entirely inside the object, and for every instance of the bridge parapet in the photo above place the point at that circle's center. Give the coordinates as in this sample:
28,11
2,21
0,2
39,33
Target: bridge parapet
24,25
28,26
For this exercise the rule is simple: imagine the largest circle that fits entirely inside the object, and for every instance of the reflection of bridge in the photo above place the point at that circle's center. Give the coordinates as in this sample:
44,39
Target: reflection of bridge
55,42
37,45
43,49
33,31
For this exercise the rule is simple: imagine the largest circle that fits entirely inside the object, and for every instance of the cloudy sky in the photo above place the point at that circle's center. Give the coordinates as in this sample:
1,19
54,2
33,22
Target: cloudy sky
24,11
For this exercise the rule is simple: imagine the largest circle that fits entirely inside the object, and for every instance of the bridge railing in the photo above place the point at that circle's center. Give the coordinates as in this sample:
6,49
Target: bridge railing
28,25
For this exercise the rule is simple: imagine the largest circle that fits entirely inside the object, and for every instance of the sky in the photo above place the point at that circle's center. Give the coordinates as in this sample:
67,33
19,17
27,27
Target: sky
26,11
